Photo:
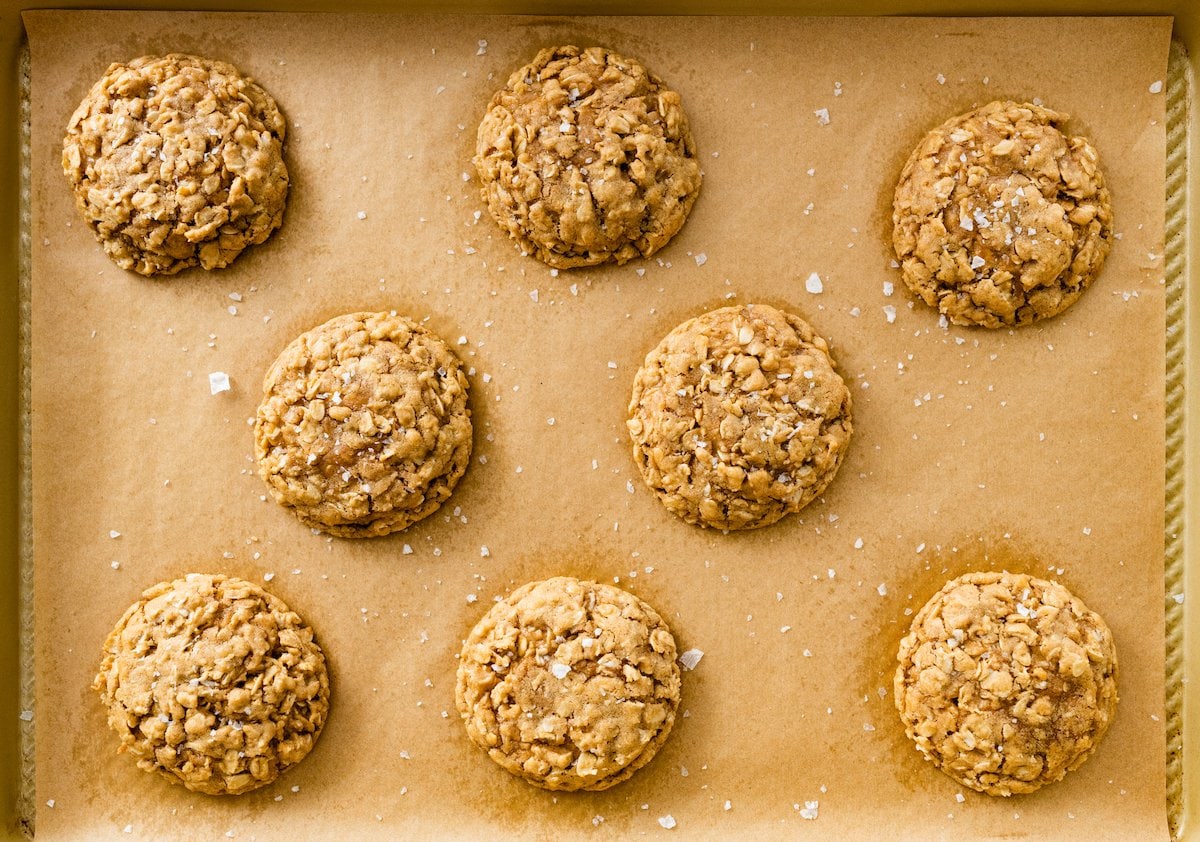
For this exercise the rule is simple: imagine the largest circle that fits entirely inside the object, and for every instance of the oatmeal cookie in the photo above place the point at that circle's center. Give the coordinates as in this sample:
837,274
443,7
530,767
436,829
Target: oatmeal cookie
1001,219
214,683
739,417
587,157
364,427
568,684
1006,682
177,161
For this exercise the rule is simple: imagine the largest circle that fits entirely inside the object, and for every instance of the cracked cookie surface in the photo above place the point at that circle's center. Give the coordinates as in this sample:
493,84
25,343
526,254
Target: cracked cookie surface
177,161
585,157
739,417
364,427
1006,682
569,684
1000,218
214,683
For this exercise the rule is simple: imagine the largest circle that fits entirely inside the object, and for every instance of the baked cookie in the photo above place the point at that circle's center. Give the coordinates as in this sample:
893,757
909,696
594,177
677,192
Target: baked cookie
214,684
363,427
177,161
587,157
1006,682
739,417
1001,219
568,684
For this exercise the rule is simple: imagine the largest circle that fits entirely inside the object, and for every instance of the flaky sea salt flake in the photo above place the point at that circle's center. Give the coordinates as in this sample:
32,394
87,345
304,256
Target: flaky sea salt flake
814,284
690,659
218,381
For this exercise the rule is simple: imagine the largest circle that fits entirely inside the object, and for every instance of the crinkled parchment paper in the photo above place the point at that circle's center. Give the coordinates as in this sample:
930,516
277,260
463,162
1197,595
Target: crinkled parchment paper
1039,449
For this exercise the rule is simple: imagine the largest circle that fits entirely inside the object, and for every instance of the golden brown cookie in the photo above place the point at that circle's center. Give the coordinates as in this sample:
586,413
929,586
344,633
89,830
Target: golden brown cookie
214,683
177,161
1006,682
1001,219
568,684
587,157
739,417
364,427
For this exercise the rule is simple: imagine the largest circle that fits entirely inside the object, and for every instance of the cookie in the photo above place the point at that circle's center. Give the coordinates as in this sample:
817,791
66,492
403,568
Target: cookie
570,685
1000,218
739,417
1006,682
214,684
586,157
364,428
177,161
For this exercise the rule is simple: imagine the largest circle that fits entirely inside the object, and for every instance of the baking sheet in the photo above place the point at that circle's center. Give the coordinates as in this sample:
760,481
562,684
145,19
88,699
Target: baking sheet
1039,449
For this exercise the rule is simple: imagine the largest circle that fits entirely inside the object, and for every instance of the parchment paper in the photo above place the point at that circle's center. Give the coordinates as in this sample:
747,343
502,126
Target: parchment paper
1039,449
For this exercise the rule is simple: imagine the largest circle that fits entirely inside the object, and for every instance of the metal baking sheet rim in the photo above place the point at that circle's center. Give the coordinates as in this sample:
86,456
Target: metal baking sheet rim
1182,643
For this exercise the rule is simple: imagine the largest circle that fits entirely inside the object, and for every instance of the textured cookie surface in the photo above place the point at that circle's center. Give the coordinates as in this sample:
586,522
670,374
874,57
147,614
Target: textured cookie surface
1006,682
177,161
586,157
739,417
569,684
364,427
214,683
1001,219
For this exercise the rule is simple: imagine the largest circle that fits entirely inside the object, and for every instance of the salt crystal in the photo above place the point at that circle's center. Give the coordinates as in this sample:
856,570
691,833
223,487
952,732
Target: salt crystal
890,312
560,670
1156,87
814,285
484,552
362,214
218,381
667,822
689,659
882,589
701,259
810,810
533,295
112,533
822,116
888,288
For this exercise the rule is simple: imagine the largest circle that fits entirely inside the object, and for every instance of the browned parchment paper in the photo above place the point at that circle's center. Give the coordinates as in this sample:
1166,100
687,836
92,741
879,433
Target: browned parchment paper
1039,449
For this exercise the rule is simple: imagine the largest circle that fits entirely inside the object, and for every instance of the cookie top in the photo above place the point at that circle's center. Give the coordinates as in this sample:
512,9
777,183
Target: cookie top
1001,219
739,417
177,161
364,427
568,684
214,683
1006,682
587,157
